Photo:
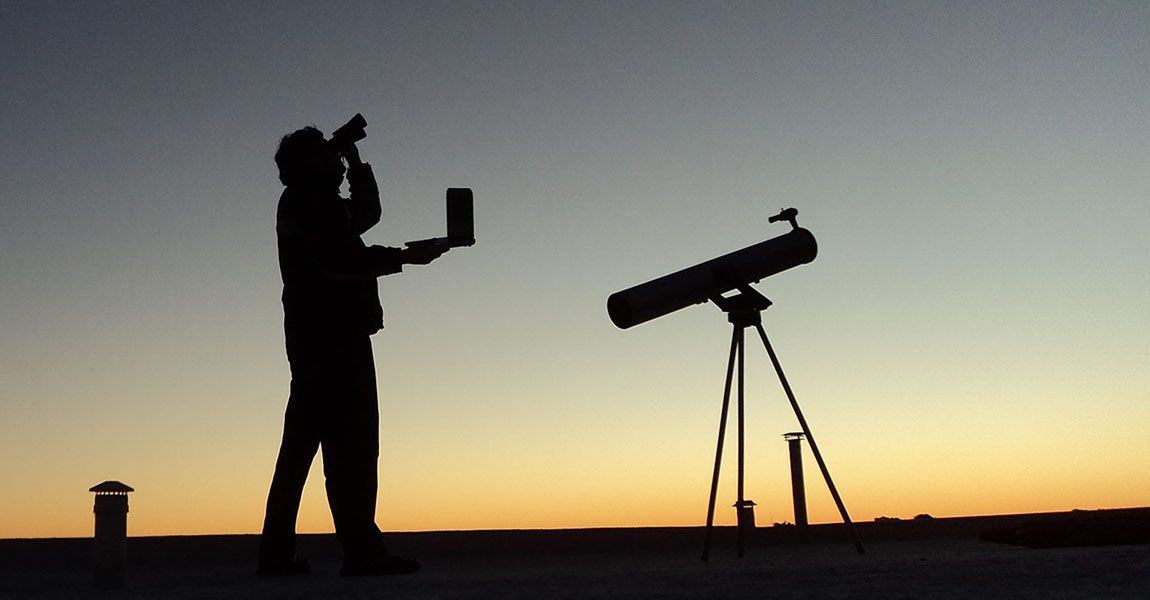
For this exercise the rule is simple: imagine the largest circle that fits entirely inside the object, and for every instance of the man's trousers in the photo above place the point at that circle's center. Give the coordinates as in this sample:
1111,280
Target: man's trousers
332,406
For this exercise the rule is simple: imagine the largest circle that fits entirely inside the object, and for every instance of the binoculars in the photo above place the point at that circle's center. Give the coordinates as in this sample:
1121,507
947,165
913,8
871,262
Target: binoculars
349,133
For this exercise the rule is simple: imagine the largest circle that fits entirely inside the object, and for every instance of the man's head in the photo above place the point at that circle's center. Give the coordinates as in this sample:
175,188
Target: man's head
306,159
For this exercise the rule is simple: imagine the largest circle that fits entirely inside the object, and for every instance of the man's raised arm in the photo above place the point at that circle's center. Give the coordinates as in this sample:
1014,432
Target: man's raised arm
363,206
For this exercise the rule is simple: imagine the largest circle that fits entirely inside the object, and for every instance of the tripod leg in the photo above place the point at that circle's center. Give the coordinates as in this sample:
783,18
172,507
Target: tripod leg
811,439
742,543
735,346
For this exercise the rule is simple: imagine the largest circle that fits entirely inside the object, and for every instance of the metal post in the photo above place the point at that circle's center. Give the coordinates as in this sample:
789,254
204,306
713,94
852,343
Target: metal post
798,489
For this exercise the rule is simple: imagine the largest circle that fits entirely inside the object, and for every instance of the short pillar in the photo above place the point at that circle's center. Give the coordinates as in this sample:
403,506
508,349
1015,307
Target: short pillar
798,490
745,511
111,540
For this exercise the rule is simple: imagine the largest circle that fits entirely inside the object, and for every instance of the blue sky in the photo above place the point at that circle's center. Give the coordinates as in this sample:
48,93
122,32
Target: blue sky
972,337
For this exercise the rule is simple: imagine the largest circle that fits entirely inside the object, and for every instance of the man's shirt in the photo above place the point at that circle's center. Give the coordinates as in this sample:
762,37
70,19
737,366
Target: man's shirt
328,272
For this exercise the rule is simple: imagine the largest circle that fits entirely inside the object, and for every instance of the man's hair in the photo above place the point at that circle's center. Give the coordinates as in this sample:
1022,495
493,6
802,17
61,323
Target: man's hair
296,149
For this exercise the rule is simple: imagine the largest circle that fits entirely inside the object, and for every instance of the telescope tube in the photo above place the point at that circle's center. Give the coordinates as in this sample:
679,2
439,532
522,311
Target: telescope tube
700,283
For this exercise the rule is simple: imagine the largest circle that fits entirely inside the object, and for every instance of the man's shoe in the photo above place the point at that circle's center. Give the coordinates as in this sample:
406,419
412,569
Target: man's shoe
276,568
378,564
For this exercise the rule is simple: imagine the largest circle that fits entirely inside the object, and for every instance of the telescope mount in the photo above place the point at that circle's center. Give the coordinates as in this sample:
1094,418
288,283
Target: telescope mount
744,310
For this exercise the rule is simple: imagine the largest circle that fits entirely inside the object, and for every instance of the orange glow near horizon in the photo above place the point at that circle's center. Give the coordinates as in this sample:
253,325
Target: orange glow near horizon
659,497
641,463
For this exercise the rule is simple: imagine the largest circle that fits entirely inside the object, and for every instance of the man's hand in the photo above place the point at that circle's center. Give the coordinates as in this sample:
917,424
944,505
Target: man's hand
422,252
351,154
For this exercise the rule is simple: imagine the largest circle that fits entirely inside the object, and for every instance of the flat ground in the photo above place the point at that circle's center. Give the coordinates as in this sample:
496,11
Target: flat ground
941,561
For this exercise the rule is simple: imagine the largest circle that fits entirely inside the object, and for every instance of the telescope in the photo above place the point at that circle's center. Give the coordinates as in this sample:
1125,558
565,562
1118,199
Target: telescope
708,282
713,278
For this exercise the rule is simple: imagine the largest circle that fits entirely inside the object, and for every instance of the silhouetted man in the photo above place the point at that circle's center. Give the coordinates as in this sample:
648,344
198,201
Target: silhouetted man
331,308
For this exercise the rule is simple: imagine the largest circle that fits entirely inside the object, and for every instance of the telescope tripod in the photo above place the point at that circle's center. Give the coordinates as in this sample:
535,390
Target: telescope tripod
745,310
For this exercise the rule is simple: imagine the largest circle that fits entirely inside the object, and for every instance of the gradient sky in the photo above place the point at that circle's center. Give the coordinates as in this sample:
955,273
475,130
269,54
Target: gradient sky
972,339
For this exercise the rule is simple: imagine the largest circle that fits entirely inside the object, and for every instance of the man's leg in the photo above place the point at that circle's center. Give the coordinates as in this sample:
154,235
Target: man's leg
351,449
301,438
